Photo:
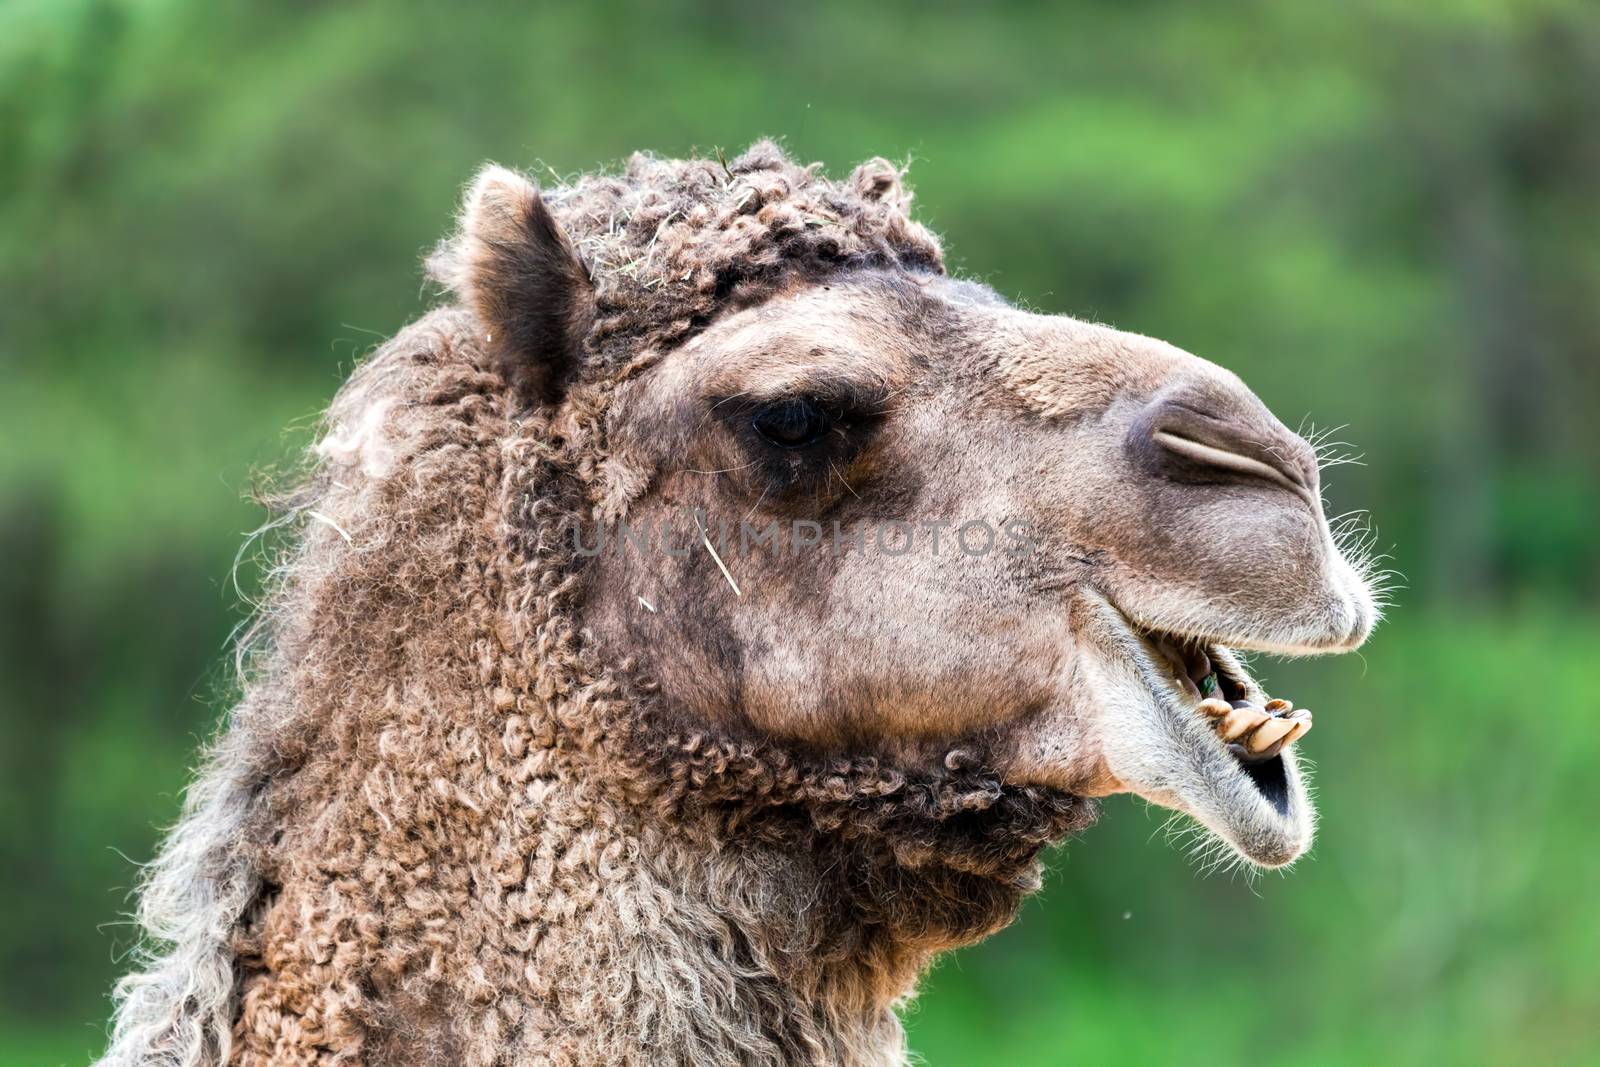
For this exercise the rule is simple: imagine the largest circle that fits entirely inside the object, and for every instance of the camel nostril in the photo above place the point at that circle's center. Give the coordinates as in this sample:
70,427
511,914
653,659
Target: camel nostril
1199,436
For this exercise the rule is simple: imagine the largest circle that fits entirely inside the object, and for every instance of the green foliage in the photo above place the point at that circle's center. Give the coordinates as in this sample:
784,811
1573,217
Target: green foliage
1440,918
1380,214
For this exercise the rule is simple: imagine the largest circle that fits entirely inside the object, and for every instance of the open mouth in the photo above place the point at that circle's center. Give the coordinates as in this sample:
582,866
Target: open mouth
1205,739
1255,730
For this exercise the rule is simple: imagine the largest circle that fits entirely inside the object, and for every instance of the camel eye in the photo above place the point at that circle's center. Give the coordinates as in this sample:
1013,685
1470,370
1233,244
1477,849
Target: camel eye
792,423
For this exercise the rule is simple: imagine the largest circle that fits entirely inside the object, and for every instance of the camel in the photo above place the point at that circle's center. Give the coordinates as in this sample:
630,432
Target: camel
926,575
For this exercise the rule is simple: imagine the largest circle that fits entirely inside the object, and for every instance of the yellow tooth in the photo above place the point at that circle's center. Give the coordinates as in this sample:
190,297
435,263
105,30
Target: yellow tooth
1299,726
1240,721
1214,708
1279,707
1267,736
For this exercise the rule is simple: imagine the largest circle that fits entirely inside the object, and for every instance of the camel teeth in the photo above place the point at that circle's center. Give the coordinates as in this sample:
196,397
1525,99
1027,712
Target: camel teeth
1214,708
1264,741
1241,721
1299,726
1279,707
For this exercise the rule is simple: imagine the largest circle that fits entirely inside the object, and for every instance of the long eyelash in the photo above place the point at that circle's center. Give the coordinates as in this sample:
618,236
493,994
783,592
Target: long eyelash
712,410
803,473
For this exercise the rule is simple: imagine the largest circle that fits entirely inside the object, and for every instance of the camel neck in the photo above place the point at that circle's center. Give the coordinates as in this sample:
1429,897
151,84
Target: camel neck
647,945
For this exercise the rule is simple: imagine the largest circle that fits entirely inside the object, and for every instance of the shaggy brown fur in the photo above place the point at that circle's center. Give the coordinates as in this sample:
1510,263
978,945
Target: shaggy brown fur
484,803
440,828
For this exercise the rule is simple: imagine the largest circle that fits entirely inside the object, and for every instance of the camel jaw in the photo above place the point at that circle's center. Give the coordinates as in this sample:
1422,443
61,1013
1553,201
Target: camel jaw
1190,730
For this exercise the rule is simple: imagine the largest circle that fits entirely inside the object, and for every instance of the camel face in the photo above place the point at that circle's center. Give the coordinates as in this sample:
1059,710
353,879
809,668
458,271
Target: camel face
890,511
878,581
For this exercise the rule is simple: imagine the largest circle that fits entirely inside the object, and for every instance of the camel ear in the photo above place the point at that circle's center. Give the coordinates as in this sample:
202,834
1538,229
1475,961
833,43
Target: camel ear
513,265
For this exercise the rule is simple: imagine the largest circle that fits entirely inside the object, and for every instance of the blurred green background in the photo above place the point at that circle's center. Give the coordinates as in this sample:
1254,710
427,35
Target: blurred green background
1382,214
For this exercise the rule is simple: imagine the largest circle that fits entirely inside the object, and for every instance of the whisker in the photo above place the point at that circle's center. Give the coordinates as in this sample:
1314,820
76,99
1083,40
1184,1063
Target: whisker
842,480
757,504
724,470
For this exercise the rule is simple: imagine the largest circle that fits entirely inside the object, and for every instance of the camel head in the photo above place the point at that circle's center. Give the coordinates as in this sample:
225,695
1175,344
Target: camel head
871,508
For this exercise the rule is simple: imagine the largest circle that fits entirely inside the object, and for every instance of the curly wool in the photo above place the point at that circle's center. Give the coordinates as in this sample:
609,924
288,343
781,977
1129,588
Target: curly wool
441,827
672,244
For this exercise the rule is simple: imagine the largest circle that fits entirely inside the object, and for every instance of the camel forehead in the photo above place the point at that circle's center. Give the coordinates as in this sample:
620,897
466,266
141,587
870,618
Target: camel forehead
872,329
883,329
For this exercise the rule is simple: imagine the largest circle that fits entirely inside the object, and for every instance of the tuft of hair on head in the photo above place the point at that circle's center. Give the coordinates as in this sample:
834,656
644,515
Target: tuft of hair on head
512,264
879,180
